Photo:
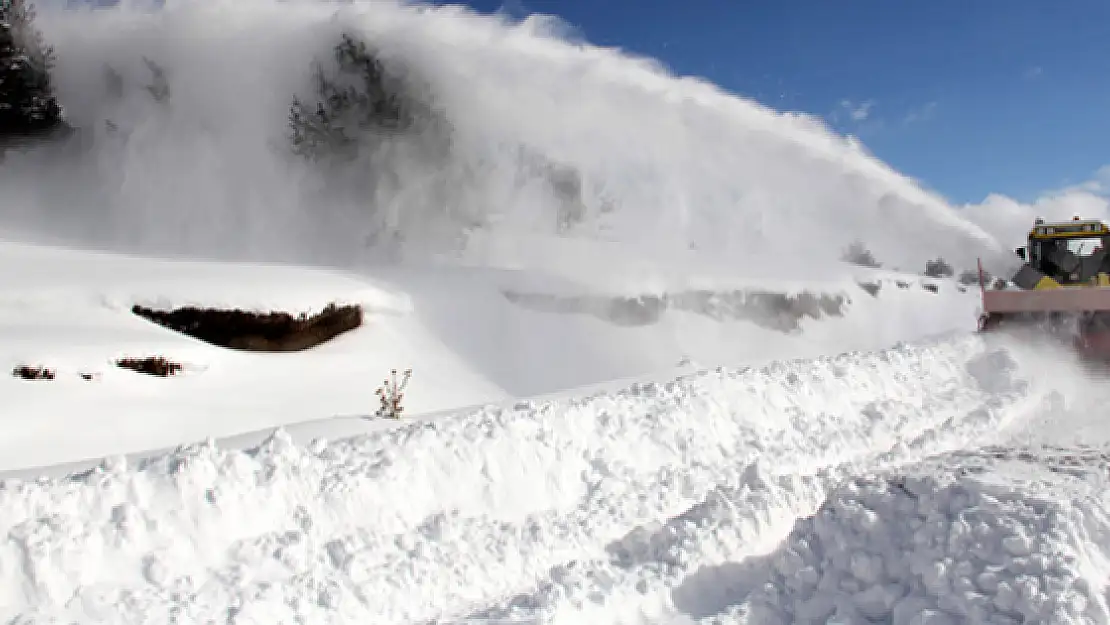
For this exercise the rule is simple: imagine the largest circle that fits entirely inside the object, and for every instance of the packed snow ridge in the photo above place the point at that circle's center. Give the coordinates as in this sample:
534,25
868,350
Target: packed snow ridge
661,503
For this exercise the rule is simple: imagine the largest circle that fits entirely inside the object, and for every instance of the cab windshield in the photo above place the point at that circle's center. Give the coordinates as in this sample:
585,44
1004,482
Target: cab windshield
1085,246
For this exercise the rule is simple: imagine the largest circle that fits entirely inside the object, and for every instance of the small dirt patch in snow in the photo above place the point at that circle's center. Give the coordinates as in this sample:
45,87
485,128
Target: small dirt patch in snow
255,331
151,365
871,287
28,372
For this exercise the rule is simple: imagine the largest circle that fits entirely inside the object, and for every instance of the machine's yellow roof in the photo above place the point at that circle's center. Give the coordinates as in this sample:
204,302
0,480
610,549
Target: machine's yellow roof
1069,229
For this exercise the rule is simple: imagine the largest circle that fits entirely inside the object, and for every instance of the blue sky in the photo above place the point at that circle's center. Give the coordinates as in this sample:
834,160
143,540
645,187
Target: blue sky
968,96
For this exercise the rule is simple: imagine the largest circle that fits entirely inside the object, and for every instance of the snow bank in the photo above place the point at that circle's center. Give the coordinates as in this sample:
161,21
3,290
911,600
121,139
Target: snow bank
471,514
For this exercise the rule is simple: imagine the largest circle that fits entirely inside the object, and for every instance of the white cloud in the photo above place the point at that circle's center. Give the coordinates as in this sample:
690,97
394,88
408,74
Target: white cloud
858,112
1100,182
1034,72
924,113
1008,219
862,114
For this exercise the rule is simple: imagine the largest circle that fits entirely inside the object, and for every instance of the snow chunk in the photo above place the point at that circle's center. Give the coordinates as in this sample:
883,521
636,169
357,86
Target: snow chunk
937,551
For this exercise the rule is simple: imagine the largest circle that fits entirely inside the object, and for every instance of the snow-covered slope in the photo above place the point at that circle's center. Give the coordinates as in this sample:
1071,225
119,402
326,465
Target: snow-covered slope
471,336
936,481
952,479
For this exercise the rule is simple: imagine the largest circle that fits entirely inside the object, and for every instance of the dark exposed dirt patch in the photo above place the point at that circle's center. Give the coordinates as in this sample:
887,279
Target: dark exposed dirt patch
28,372
255,331
871,287
777,311
151,365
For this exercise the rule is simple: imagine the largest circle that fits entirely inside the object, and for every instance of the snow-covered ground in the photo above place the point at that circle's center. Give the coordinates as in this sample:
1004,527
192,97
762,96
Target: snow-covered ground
679,408
877,484
817,476
470,335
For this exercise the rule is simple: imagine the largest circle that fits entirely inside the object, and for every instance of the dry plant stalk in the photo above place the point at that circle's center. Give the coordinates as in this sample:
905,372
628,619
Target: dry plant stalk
391,393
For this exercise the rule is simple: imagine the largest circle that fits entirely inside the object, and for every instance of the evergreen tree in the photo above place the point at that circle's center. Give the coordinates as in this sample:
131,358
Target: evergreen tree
361,97
27,102
858,254
938,268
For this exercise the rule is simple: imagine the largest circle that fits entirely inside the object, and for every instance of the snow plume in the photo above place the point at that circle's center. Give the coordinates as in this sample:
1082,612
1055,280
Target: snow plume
182,147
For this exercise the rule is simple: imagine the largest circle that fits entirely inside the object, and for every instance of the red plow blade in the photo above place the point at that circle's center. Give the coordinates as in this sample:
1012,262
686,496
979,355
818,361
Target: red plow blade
1078,314
1062,300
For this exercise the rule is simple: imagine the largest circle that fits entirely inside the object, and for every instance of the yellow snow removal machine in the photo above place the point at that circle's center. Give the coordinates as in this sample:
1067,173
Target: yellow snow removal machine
1062,287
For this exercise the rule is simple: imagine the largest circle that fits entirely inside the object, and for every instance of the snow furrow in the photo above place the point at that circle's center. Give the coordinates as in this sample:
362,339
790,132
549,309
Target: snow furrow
443,518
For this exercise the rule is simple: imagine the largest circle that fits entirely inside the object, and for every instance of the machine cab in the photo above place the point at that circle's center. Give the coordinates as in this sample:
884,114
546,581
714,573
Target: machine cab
1068,253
